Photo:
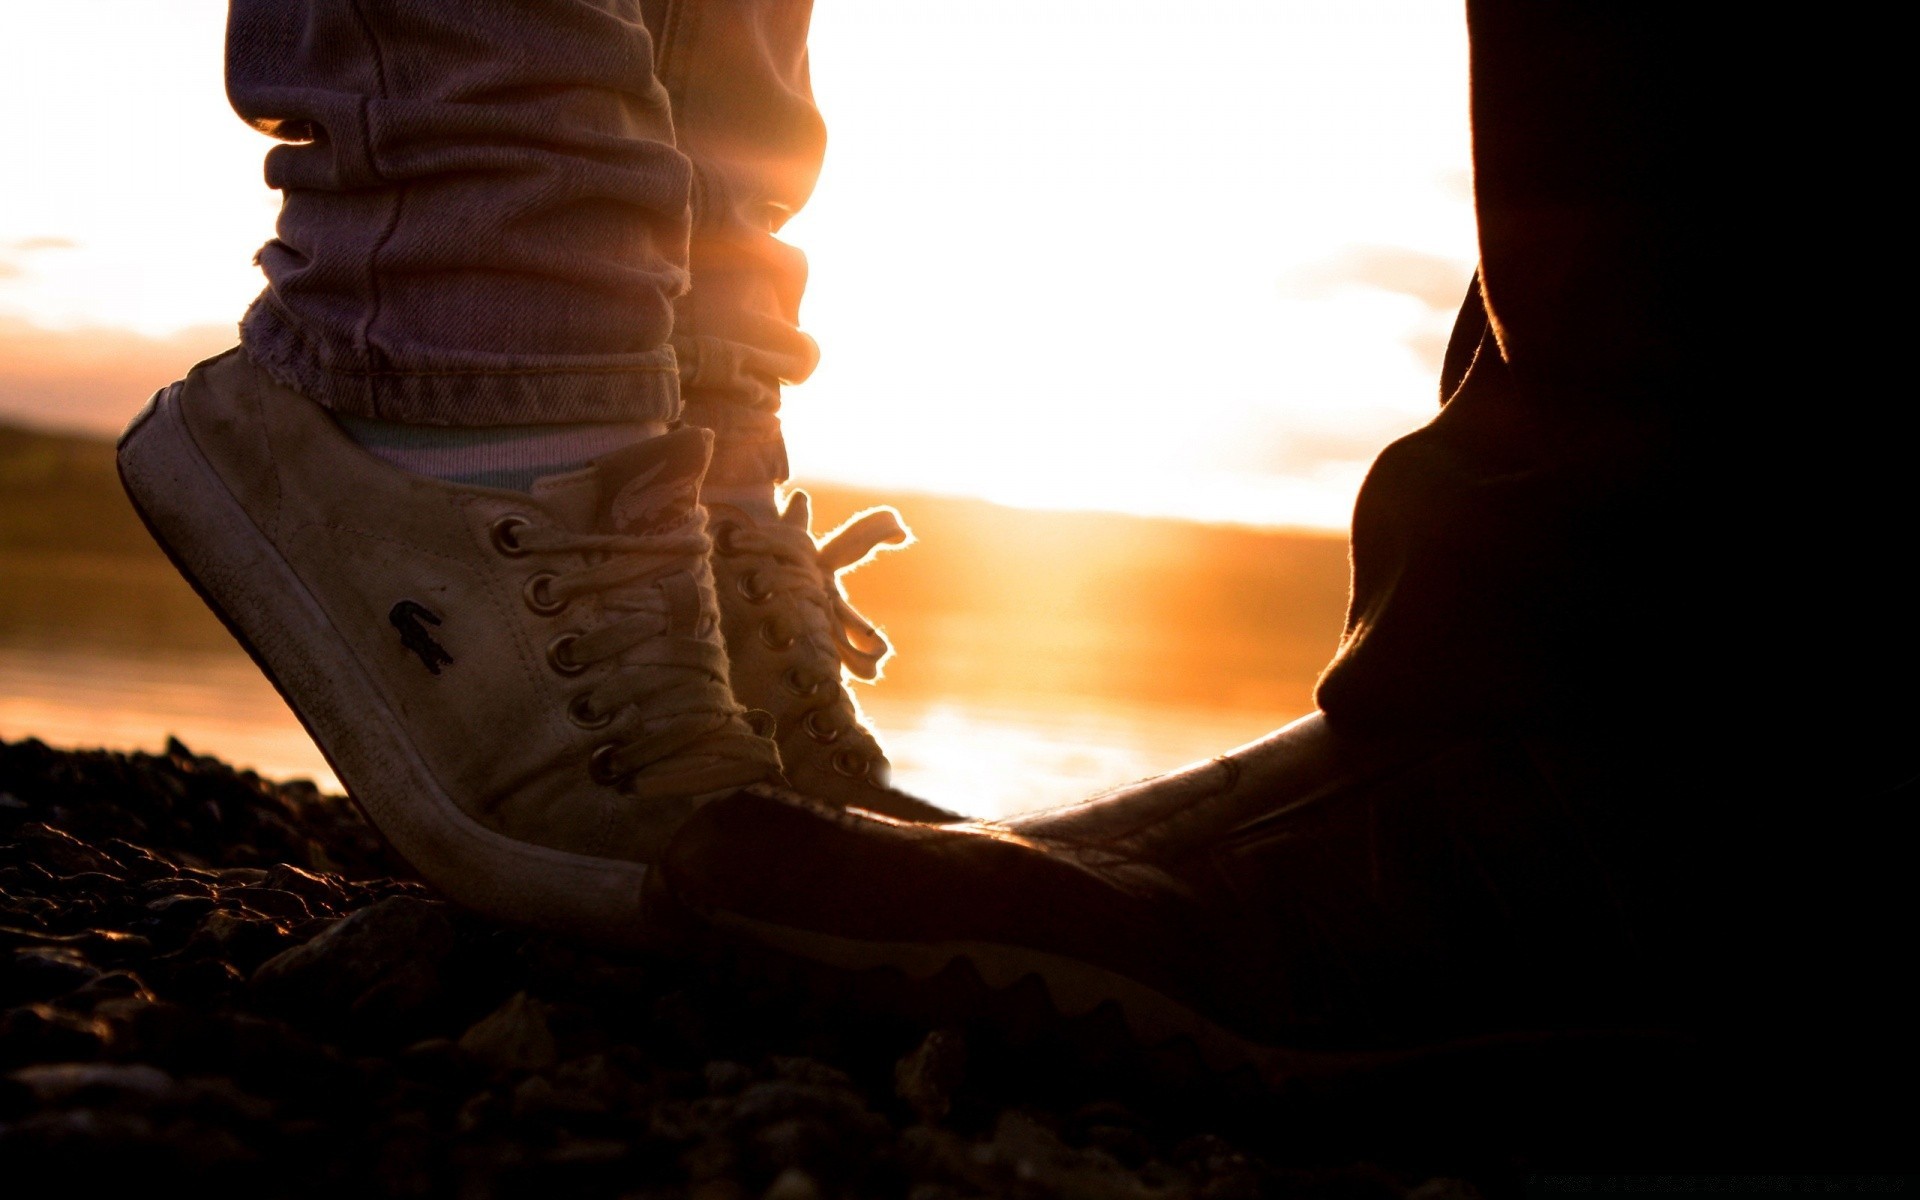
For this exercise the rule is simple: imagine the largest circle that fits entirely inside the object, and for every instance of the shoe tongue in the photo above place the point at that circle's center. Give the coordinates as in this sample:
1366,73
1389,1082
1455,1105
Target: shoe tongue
653,485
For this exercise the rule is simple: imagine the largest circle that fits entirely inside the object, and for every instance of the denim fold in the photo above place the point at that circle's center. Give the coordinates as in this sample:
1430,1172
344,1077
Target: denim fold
500,213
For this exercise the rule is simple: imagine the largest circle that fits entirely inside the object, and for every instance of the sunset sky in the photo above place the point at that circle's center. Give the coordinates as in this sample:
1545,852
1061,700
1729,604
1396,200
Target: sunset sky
1065,253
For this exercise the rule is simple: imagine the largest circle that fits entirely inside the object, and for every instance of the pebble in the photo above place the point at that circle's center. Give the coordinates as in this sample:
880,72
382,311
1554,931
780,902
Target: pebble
514,1037
65,1083
792,1184
927,1078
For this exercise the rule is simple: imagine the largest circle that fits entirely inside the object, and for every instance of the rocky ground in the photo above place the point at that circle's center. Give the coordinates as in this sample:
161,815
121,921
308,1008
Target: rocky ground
207,976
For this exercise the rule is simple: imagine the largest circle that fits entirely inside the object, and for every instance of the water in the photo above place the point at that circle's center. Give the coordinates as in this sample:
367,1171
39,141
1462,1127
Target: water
984,758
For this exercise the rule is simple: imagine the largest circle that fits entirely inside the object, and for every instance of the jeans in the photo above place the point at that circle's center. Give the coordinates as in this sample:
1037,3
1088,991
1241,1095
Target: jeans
1516,561
494,210
1662,521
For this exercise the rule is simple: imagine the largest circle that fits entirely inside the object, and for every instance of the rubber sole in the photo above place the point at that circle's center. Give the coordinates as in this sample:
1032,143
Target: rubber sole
257,595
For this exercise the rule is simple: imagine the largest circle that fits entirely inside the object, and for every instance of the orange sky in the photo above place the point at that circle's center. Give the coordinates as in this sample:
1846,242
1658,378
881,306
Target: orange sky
1065,253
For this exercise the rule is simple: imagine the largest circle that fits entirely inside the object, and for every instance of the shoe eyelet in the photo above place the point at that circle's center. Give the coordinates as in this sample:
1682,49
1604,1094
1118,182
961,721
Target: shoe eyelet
769,636
748,586
851,764
540,598
582,714
559,659
505,532
600,763
796,683
761,722
723,538
818,729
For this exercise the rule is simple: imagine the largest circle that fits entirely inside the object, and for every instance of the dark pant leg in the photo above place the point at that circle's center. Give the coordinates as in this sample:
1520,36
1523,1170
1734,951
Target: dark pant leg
1513,561
485,220
1665,512
1664,482
1513,558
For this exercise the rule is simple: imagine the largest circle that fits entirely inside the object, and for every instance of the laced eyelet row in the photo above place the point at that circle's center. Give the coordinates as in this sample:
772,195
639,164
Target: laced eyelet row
818,723
538,593
696,683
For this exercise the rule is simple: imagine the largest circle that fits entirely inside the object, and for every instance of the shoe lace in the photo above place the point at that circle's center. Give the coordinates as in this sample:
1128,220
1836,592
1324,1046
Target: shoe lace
800,578
664,655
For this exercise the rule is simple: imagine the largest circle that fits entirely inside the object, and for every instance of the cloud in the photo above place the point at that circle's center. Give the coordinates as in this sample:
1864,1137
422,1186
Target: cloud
92,379
1289,447
1436,281
28,245
10,252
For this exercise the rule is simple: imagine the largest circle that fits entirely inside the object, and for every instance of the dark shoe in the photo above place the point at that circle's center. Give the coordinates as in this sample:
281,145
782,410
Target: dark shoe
1304,904
791,639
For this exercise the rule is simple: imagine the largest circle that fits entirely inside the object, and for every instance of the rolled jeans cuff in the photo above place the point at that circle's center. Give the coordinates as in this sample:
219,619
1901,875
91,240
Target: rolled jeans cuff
517,389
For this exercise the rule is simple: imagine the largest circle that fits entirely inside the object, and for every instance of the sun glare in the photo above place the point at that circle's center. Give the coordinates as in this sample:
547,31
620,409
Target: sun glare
1065,254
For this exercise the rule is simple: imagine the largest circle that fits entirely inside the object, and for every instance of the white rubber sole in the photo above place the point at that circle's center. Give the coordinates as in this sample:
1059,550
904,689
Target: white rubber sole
255,591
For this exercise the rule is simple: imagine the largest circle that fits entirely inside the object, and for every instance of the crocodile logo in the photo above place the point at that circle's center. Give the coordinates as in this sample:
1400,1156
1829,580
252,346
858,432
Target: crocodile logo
407,616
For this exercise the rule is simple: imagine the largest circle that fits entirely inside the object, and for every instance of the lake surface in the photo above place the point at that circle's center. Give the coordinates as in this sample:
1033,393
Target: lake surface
984,759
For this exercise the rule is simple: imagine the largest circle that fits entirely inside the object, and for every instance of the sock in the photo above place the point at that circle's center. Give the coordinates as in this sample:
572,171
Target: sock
496,456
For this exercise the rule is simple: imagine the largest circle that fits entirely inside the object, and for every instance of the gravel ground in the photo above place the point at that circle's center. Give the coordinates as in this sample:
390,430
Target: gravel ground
209,977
